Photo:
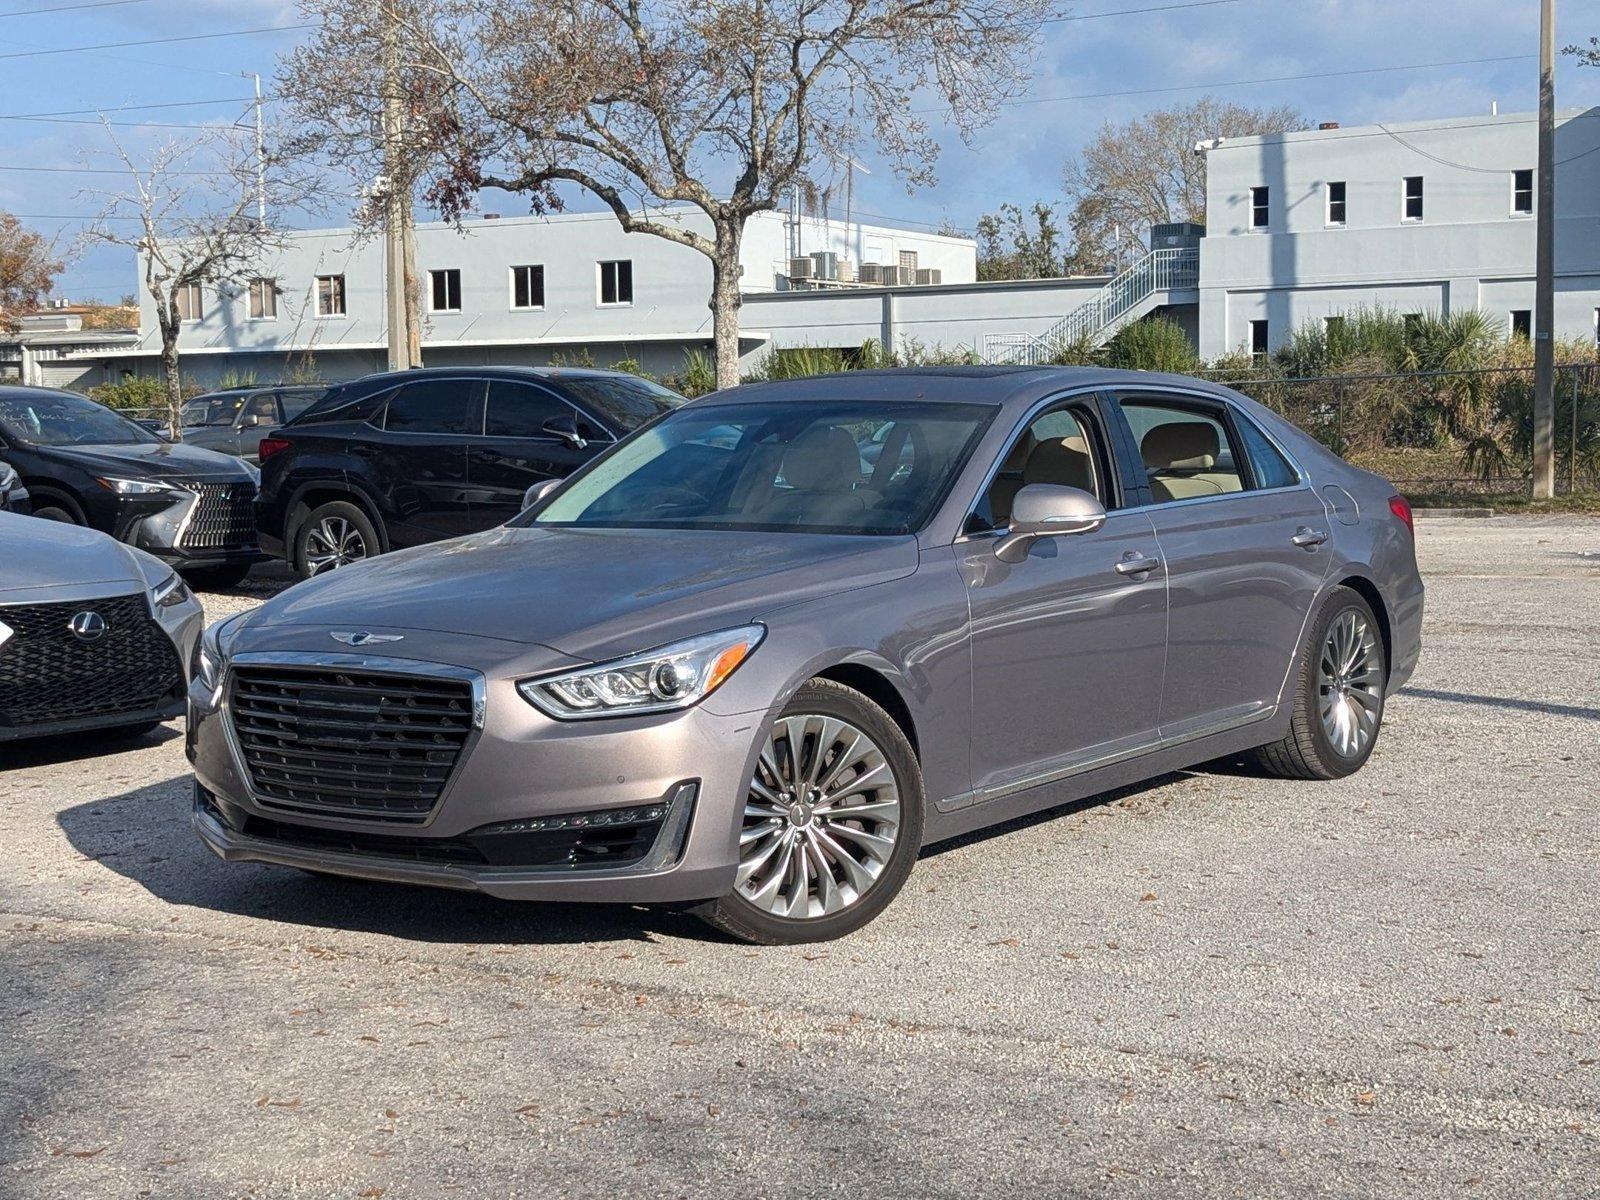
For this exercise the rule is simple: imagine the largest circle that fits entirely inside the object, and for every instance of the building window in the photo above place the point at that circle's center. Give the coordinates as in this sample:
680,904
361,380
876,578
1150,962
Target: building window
263,299
1522,192
527,287
1259,197
330,295
189,301
1522,323
1336,203
444,292
1411,204
616,282
1258,339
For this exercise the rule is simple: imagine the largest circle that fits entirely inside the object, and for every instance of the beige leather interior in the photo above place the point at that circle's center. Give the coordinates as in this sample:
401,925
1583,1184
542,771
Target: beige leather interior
823,470
1064,461
1180,458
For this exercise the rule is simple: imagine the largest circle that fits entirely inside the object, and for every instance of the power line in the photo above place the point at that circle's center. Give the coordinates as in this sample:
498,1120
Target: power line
33,12
1127,12
77,112
193,37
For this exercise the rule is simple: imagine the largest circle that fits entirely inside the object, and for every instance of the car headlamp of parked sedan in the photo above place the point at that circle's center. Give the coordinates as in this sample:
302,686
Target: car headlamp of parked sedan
755,656
94,635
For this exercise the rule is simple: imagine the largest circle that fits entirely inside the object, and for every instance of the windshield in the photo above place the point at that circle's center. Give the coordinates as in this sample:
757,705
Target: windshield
212,410
626,403
62,419
822,467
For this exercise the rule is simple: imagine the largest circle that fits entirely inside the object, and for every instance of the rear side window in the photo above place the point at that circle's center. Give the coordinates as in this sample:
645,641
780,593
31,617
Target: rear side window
295,403
1187,451
517,410
349,402
1270,468
437,406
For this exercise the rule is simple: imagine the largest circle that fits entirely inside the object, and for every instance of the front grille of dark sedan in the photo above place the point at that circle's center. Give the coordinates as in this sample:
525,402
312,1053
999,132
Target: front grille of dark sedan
224,517
349,742
49,675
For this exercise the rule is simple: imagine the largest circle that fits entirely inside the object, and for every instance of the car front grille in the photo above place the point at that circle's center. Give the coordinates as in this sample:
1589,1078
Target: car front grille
349,742
223,518
48,674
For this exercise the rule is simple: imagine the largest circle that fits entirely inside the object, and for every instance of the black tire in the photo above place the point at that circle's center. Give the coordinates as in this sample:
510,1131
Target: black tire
215,579
54,512
736,916
354,517
1308,751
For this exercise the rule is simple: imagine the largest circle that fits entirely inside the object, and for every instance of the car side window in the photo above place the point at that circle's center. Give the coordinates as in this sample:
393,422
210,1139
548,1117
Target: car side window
1062,446
1267,463
518,410
1187,450
260,410
436,406
297,402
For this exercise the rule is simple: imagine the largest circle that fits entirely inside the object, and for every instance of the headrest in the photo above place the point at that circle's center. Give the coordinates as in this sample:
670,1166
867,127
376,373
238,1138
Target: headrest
1063,461
1180,446
823,459
1017,459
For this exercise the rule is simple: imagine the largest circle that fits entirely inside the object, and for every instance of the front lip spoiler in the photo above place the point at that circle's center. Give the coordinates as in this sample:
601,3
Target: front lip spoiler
654,879
164,711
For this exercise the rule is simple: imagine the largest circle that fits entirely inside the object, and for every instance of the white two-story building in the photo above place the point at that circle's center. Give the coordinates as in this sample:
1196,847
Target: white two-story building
1419,216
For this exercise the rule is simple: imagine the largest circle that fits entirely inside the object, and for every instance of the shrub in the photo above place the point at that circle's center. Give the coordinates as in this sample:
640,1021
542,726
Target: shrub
131,393
1154,344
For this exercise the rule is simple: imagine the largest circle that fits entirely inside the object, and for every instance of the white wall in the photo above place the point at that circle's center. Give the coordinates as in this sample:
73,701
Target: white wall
1469,250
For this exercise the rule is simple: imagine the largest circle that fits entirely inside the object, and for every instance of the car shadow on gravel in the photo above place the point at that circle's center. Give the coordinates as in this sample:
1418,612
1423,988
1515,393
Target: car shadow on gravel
145,835
72,747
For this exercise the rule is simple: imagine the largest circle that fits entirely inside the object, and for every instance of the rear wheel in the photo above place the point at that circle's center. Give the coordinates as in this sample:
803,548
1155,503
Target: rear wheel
832,822
1339,677
334,535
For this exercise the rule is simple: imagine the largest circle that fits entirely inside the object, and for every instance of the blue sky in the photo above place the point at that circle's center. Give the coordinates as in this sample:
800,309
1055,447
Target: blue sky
1018,158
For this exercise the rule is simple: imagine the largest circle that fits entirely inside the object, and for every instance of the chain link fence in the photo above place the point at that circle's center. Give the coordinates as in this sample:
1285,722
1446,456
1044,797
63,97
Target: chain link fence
1446,435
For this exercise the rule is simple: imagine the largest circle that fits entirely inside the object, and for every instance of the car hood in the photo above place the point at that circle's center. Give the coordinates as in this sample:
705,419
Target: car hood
588,593
37,554
164,460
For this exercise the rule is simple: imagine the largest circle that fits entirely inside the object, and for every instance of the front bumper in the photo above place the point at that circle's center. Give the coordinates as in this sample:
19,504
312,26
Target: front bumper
519,767
190,530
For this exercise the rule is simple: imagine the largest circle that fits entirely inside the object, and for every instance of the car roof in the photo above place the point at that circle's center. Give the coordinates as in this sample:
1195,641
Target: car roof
990,385
489,372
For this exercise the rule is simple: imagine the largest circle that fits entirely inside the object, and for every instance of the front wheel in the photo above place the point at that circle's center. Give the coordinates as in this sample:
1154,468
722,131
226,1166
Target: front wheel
832,822
1338,680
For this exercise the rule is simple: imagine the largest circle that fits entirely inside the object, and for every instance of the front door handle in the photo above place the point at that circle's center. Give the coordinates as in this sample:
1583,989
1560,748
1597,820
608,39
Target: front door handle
1136,564
1308,537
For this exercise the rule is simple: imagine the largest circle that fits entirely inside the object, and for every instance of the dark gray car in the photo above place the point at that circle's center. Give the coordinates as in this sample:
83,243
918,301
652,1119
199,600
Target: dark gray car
236,419
744,662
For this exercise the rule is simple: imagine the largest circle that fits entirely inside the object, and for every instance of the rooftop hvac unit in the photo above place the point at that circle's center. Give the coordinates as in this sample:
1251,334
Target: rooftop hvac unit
908,264
801,268
827,263
871,273
847,271
929,276
891,276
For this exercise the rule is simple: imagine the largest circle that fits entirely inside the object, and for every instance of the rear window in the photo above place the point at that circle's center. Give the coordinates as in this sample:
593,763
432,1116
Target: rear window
295,403
624,401
1271,469
348,402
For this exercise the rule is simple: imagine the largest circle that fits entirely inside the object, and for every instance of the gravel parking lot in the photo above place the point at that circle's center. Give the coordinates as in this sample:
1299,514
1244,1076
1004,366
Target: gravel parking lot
1214,985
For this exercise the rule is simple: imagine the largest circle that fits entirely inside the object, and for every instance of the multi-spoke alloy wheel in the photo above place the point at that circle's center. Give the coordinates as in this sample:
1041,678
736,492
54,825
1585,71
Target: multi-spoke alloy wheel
831,821
820,819
1336,703
333,542
1350,683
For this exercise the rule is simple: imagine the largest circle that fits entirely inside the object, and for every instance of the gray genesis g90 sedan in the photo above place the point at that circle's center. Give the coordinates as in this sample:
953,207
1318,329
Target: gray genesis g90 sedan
759,653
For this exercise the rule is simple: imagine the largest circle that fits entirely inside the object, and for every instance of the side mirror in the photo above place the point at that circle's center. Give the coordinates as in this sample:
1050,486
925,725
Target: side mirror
565,427
1043,510
538,492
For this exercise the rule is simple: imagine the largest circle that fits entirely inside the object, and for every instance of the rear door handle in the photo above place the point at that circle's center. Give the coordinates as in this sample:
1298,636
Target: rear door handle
1308,537
1137,564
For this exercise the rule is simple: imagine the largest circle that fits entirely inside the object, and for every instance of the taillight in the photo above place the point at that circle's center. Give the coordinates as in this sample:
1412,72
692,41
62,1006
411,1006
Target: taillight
271,445
1401,508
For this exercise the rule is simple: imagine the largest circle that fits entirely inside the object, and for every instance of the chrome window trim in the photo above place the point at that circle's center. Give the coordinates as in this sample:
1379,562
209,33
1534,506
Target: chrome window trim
355,662
1089,390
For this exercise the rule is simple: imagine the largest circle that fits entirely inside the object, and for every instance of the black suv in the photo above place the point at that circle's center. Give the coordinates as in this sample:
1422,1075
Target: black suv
408,457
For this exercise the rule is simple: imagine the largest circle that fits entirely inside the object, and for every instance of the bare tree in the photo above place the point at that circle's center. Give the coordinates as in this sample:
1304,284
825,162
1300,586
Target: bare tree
719,106
1145,172
189,215
29,265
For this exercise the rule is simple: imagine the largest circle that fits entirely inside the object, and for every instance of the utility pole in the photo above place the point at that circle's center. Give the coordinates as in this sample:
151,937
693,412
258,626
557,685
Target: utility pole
1544,292
261,156
398,284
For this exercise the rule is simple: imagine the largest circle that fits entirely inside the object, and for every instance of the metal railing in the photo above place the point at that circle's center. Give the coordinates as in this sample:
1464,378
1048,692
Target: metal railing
1443,435
1158,271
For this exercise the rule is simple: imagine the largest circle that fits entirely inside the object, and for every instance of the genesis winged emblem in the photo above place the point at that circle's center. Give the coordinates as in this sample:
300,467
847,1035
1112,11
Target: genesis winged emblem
367,639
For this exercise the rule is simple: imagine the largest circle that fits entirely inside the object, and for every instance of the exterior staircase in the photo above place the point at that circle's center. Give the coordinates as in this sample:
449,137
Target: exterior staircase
1127,296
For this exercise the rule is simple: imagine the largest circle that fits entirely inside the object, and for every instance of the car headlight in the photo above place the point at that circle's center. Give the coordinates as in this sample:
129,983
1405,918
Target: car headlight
210,654
137,487
170,592
672,677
